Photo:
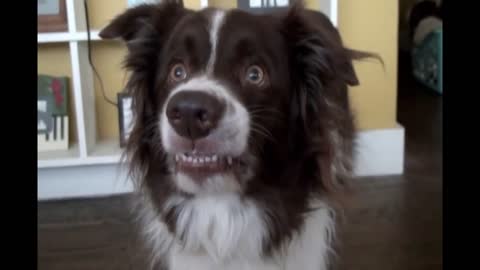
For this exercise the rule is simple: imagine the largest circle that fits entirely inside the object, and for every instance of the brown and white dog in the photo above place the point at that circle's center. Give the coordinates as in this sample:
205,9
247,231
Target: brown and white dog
242,134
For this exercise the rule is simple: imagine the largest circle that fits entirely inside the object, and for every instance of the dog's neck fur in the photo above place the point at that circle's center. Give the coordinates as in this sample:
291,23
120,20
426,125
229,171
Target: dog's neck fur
227,233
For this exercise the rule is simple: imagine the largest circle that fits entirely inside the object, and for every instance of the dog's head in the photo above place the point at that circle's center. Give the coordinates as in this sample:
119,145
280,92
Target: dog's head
227,101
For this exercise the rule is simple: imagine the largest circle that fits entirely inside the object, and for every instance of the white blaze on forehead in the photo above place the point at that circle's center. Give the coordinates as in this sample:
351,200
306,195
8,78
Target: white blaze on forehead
216,22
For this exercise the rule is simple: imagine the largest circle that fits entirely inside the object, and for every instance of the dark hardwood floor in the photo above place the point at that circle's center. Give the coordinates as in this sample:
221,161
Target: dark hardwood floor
394,222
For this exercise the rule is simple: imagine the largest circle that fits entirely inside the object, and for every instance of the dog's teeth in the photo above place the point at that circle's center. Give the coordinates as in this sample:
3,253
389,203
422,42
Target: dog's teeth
214,158
229,160
189,159
195,160
207,159
177,157
201,160
184,158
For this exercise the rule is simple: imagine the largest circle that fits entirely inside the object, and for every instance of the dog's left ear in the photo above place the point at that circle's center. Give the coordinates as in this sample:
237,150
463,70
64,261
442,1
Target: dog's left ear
128,24
318,58
321,71
318,47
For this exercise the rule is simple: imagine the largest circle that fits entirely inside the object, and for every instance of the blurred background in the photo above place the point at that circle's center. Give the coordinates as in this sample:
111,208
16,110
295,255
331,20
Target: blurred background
83,119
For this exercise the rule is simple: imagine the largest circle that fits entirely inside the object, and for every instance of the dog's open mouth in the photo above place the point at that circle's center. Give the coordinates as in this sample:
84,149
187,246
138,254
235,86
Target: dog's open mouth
204,164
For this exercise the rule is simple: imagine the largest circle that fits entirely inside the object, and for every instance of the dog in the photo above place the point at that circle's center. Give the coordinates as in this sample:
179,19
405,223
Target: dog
243,138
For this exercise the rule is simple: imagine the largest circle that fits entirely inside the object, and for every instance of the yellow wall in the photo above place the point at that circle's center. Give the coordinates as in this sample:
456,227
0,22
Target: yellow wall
107,57
223,3
370,25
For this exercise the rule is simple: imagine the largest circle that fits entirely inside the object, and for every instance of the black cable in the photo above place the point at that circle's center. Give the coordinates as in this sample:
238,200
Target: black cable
90,57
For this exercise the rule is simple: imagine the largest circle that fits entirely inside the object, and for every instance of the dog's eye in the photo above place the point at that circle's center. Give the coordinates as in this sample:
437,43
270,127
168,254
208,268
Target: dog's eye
178,72
254,74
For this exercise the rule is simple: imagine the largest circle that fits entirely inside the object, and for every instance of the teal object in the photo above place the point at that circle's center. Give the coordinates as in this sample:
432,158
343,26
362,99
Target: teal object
427,61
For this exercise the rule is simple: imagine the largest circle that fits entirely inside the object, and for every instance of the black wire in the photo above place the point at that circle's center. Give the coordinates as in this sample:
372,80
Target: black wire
90,57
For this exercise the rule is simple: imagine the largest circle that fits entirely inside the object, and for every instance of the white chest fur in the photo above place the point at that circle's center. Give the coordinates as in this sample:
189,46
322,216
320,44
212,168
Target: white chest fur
225,233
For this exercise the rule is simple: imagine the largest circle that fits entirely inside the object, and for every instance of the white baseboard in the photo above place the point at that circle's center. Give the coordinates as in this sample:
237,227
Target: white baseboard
380,152
82,181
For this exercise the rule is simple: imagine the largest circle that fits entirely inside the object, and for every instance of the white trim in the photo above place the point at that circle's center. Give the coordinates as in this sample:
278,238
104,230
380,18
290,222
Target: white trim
53,37
88,98
70,162
86,181
71,16
334,12
78,97
381,152
80,19
103,152
66,37
330,8
134,3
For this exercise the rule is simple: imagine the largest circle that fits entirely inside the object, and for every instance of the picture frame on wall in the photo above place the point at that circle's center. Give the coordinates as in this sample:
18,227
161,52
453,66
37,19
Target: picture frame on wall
263,6
125,117
134,3
52,16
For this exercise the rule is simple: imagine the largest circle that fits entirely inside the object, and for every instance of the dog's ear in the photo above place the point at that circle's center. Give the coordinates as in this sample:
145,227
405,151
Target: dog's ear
319,60
145,18
313,37
321,69
126,25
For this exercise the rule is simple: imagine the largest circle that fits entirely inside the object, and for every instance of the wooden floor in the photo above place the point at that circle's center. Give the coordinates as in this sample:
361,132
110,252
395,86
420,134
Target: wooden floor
394,222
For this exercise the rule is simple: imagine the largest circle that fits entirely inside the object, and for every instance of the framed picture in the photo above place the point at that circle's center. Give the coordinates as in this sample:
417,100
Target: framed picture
263,6
52,113
125,117
133,3
52,16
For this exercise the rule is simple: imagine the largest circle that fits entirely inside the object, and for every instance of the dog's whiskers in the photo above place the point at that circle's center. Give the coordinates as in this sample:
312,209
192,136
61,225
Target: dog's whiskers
262,131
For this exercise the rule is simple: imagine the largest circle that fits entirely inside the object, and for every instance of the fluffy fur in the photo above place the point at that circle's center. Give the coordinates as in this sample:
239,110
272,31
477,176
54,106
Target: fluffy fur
230,234
290,136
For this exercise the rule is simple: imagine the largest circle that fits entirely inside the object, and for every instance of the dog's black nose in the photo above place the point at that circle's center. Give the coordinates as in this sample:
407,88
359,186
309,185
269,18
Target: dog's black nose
193,114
